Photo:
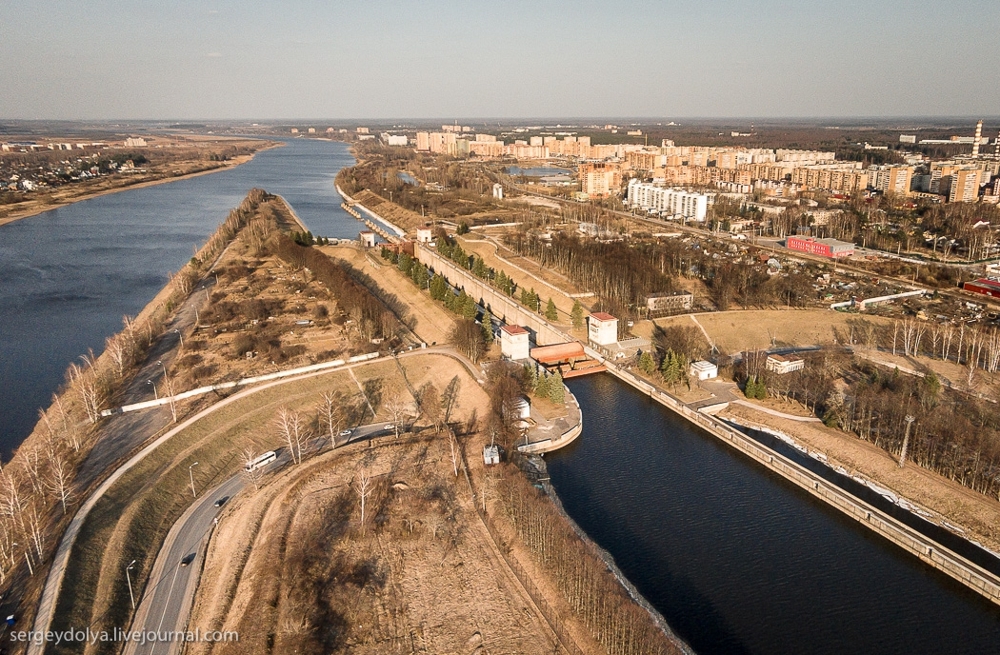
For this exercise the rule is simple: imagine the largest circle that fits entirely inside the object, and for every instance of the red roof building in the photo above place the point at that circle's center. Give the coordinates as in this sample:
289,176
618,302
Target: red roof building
984,285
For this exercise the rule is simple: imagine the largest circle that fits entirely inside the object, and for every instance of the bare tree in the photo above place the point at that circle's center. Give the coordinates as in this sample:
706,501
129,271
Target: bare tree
454,453
115,348
292,429
251,473
398,409
60,477
332,414
168,389
363,485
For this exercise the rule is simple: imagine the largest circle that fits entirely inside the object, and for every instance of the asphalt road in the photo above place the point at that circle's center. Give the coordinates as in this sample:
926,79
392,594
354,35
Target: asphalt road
166,603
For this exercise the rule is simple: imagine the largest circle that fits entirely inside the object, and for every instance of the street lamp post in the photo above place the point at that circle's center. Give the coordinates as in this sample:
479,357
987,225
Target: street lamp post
156,396
191,474
180,336
129,579
160,362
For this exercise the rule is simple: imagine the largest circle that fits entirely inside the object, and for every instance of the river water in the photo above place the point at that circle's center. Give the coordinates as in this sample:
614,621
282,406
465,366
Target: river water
737,560
70,274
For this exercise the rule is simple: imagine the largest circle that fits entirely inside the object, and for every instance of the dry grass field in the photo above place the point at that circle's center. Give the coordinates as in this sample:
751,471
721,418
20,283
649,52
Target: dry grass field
294,569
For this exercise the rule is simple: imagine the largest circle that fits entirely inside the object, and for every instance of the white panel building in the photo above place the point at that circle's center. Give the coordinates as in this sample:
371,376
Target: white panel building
668,202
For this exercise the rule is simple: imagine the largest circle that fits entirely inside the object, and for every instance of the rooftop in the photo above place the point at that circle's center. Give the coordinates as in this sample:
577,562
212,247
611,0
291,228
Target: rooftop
513,329
601,316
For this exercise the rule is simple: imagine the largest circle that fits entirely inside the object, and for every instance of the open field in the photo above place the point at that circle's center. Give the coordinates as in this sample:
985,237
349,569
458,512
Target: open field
734,331
419,575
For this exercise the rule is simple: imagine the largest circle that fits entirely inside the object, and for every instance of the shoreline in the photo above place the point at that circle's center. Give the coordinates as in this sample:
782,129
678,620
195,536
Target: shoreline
239,161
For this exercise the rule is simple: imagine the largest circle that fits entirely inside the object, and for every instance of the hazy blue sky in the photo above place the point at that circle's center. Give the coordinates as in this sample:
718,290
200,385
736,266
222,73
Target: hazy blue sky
383,59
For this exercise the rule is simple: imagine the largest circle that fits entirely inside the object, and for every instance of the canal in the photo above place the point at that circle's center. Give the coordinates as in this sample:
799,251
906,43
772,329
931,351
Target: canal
738,560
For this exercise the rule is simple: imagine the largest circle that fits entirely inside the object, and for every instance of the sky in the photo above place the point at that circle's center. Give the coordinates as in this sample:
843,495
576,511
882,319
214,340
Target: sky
383,59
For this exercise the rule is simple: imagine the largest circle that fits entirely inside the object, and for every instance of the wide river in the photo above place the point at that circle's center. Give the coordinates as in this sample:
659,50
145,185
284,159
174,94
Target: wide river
737,560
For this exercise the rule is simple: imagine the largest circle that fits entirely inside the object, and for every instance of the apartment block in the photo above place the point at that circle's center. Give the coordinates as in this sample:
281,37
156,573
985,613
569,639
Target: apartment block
674,203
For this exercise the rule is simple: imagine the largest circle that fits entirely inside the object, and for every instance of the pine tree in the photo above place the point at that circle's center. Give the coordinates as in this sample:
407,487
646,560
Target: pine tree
530,377
543,386
488,327
551,313
671,369
646,363
557,392
577,315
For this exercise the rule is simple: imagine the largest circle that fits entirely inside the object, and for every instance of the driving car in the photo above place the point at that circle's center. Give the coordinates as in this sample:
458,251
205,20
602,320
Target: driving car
188,559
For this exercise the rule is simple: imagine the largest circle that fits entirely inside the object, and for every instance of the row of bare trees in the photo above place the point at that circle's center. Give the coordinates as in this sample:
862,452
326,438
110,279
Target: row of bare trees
976,347
38,485
595,595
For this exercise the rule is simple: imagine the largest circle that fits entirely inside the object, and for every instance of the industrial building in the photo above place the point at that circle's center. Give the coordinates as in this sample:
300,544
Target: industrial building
602,329
514,343
702,370
985,285
781,364
824,247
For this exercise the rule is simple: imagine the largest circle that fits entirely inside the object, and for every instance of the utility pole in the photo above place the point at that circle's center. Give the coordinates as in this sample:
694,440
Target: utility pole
129,579
906,440
191,474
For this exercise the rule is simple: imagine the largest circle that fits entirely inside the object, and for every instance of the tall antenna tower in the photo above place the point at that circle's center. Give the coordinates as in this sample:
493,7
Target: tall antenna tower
975,140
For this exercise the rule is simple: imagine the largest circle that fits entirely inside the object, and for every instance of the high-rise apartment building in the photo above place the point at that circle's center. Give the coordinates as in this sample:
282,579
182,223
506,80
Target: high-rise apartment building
965,185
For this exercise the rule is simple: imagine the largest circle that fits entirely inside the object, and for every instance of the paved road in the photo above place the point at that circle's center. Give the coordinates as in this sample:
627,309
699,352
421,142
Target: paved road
166,603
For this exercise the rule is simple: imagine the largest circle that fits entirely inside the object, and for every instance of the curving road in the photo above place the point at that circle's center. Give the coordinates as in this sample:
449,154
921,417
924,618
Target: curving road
166,603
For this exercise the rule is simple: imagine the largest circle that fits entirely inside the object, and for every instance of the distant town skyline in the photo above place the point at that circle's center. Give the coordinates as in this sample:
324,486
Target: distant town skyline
383,60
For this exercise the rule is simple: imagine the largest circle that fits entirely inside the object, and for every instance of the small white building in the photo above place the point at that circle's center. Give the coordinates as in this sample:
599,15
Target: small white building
514,343
367,238
781,364
702,370
424,235
498,191
603,329
491,455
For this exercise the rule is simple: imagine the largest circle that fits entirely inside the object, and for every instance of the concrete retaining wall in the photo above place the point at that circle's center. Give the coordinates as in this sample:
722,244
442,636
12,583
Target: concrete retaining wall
499,305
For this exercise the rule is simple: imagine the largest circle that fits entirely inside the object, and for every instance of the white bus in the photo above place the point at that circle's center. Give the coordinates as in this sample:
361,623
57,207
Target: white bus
261,462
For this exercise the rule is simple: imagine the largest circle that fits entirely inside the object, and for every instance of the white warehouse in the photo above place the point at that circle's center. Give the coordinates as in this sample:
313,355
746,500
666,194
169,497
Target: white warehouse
670,203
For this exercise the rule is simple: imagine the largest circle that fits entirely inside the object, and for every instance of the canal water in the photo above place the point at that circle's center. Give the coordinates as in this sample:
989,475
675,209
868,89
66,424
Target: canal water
736,559
70,274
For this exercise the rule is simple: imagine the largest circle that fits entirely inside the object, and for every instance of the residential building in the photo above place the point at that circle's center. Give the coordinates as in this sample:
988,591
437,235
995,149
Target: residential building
893,178
965,185
423,141
135,142
668,202
598,179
